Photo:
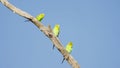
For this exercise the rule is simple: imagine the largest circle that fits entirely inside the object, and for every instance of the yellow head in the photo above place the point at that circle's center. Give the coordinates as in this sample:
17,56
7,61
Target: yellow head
70,44
42,15
57,26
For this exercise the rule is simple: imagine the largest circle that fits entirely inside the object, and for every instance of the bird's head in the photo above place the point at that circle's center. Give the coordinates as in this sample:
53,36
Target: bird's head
57,26
71,44
42,15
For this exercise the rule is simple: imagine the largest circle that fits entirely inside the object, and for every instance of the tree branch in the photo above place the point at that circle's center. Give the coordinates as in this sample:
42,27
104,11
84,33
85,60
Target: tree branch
46,30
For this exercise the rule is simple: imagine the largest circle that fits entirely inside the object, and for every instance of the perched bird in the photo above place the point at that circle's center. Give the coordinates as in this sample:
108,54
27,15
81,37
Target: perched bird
68,48
56,31
39,17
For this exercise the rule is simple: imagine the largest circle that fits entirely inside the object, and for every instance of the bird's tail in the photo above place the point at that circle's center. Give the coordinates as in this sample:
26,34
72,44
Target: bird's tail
63,60
26,20
53,46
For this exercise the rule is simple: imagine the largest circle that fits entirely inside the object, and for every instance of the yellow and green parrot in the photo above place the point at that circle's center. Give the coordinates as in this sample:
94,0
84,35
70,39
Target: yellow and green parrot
68,48
39,17
56,31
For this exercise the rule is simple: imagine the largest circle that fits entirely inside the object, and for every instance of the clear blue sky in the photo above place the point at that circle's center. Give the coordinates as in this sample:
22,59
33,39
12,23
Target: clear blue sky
92,25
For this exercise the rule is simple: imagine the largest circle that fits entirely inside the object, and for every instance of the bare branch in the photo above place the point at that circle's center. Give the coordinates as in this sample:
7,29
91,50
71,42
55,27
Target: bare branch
46,30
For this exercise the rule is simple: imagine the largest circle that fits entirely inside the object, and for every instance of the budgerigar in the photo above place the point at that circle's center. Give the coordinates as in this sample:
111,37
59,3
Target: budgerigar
68,48
56,31
40,17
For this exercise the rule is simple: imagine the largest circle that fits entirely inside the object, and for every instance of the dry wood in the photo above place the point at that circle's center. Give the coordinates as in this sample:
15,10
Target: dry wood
46,30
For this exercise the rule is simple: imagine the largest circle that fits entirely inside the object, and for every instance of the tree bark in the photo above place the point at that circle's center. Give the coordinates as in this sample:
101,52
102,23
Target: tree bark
46,30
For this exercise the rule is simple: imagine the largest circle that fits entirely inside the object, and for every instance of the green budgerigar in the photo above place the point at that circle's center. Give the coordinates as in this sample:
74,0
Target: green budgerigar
68,48
39,17
56,31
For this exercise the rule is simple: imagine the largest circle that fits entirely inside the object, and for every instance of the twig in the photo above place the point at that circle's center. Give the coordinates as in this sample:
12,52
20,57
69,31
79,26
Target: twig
46,30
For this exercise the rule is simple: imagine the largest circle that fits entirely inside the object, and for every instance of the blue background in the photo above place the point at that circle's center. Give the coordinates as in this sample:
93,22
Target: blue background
92,25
